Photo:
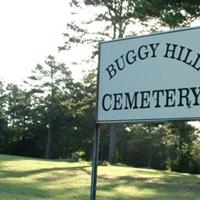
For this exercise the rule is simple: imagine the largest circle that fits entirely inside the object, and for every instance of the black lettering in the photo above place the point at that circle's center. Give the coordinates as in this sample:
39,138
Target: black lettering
196,96
118,64
187,56
183,94
170,102
117,101
145,53
195,62
131,102
180,53
109,96
145,99
172,51
130,59
158,93
111,71
154,49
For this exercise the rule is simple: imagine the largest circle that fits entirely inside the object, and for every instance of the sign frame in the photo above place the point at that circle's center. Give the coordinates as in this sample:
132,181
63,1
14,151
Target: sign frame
138,120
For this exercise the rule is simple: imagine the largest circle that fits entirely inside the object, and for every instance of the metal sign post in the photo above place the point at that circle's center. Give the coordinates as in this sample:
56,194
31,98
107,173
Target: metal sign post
95,162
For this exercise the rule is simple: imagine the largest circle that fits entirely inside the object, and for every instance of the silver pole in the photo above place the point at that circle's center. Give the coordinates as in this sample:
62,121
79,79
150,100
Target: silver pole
95,162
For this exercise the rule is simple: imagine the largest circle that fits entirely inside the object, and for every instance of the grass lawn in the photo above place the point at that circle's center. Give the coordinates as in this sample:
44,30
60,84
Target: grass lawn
36,179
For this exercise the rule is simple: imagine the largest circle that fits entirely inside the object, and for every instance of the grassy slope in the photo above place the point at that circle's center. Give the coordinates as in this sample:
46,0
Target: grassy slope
35,179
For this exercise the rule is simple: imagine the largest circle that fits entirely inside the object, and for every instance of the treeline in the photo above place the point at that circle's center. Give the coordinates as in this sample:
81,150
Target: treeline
53,116
50,115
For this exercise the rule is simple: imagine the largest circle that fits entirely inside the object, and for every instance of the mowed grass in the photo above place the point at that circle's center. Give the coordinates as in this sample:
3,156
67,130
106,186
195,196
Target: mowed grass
36,179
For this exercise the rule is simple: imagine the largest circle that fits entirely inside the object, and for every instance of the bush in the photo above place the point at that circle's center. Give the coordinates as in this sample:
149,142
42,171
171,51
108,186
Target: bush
78,155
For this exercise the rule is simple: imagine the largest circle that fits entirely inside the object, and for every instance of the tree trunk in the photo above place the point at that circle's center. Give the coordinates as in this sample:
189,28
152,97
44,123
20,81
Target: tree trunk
49,135
149,155
48,145
112,143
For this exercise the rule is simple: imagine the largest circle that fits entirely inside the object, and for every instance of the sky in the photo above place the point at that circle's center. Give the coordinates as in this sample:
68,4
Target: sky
30,30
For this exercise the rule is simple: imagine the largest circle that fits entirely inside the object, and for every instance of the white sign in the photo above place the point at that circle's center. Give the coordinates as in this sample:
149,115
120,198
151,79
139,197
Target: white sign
150,78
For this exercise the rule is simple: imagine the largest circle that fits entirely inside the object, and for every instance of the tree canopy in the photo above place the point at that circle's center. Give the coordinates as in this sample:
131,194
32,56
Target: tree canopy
171,13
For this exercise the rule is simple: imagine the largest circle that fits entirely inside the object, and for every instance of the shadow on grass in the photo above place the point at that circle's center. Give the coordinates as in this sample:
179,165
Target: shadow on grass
22,191
25,191
13,189
156,188
20,174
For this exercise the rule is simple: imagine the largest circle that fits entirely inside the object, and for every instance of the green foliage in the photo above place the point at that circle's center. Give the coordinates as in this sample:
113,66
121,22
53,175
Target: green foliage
54,113
81,155
54,82
58,114
162,146
25,116
180,139
3,122
171,13
144,146
119,17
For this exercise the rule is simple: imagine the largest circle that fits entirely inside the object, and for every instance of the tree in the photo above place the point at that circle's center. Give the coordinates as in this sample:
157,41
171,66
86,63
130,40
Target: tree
142,145
169,12
17,114
2,100
118,16
196,152
83,103
180,138
50,84
3,120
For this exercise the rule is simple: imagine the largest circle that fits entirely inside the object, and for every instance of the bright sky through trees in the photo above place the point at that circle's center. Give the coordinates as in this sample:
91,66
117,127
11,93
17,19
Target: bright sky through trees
30,31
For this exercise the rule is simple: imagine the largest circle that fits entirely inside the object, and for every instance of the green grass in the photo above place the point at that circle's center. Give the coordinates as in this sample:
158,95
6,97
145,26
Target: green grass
36,179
